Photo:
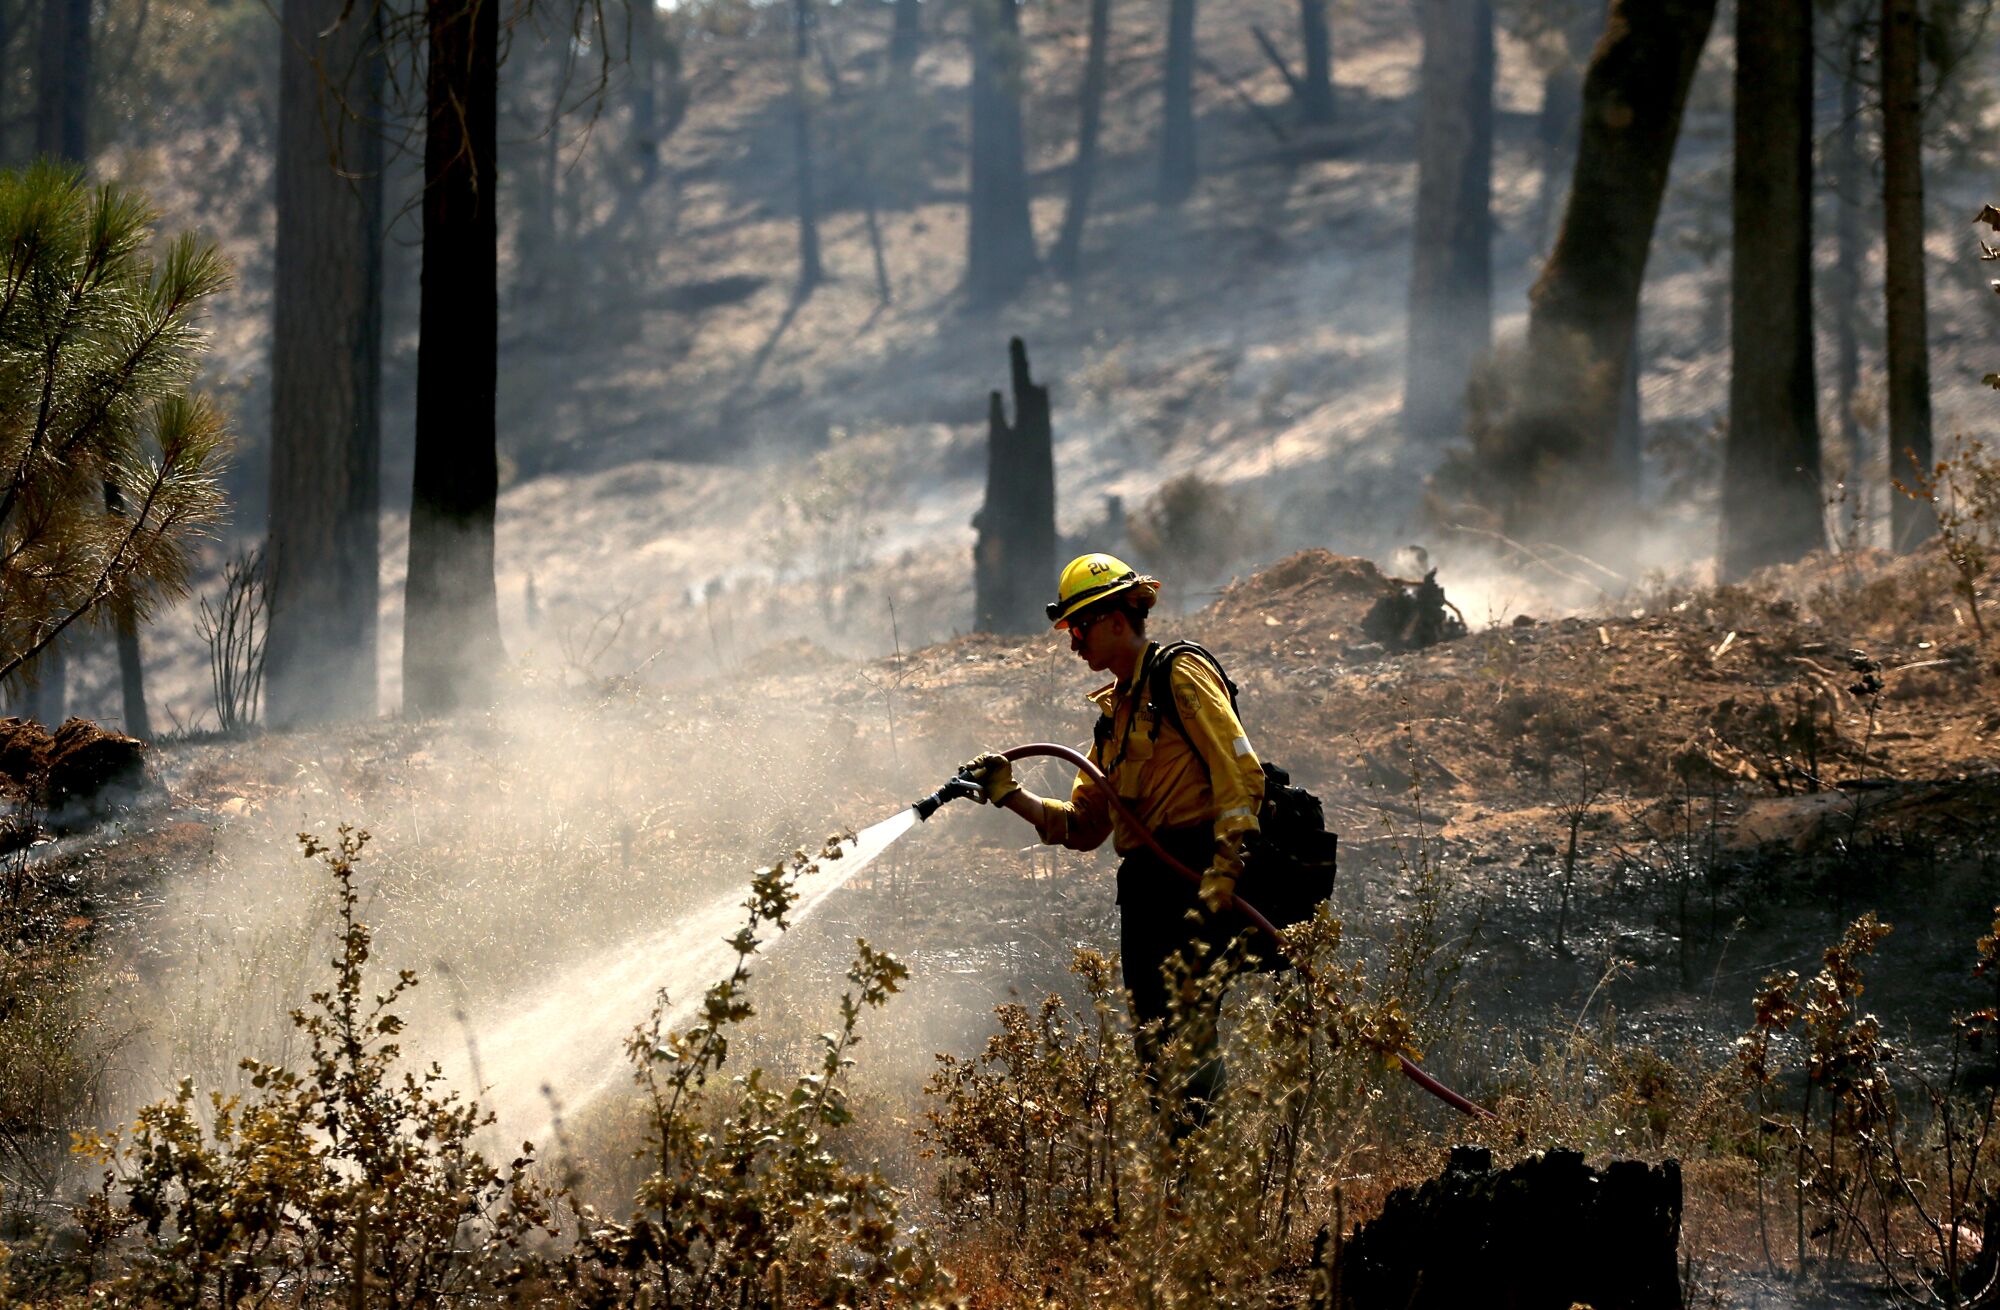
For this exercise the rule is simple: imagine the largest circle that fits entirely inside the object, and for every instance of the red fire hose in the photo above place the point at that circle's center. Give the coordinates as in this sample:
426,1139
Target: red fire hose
1411,1069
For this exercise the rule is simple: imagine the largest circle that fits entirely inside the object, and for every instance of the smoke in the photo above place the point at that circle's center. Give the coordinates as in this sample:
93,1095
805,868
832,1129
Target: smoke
545,871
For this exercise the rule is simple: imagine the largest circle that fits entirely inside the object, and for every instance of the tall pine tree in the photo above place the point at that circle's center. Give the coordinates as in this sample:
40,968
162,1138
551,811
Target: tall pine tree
323,554
451,615
1771,505
1451,273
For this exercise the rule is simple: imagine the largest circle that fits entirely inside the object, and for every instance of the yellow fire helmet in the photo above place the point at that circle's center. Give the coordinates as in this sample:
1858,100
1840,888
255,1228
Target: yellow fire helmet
1088,579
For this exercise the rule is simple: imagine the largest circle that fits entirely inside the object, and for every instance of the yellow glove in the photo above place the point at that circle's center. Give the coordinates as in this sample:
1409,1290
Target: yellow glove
995,775
1218,890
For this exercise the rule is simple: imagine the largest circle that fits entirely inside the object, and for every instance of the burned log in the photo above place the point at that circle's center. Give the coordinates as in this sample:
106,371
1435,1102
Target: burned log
1014,557
1414,616
1546,1234
72,775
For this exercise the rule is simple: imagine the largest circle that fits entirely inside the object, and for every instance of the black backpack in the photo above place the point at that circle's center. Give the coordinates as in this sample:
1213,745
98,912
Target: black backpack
1288,863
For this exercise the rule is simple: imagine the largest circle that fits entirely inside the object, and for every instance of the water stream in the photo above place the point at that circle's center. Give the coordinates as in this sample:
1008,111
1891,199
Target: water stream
568,1035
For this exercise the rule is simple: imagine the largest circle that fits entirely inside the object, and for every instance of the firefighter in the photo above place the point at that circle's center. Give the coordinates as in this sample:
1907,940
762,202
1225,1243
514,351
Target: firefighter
1196,785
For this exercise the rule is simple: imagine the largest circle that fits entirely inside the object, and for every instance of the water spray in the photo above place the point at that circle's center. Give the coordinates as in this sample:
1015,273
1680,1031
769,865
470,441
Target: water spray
961,786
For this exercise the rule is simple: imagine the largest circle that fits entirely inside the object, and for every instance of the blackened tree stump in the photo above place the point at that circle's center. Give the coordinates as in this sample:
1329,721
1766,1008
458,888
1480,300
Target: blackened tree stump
1014,558
1546,1234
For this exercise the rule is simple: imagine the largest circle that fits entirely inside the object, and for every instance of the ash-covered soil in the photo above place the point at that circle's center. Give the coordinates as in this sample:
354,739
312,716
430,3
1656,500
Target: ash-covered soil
1741,770
1736,783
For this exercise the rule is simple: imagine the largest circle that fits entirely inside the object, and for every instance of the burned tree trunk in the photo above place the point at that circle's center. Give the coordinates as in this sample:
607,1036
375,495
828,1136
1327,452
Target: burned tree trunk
62,81
1177,159
656,68
906,40
1911,521
324,557
451,614
1849,187
810,271
1584,308
1451,275
1014,557
1067,256
62,131
1315,88
125,630
1770,476
1000,236
1546,1234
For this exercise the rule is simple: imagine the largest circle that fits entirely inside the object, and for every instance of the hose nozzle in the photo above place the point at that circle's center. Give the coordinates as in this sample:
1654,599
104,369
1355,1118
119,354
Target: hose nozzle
958,786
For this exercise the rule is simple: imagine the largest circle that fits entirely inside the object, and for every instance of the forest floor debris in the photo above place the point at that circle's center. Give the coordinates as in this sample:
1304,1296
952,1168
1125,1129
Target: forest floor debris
1702,785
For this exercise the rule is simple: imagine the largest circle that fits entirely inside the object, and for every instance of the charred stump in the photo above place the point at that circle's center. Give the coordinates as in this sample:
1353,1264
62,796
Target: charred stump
1546,1234
1014,556
1414,616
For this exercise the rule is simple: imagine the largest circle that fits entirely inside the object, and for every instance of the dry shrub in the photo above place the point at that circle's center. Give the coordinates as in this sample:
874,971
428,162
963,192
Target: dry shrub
354,1181
352,1173
1066,1171
1884,1156
1962,492
1196,529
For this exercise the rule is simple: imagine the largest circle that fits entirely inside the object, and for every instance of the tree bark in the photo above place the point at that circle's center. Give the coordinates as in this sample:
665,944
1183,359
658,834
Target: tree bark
1911,521
324,556
1177,158
1316,85
7,34
1083,170
62,81
906,41
62,124
1584,308
646,136
810,271
131,673
1000,237
125,635
1771,511
1850,252
451,620
1451,275
1015,553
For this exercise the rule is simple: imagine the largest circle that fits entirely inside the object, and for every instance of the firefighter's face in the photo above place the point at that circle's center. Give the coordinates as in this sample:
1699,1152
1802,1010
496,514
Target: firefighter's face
1090,638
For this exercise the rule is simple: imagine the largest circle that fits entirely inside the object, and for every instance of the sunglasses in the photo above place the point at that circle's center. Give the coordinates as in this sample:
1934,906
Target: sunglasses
1080,627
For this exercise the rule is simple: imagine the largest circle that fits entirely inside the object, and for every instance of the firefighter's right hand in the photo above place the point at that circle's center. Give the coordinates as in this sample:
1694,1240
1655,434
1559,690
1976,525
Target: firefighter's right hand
995,775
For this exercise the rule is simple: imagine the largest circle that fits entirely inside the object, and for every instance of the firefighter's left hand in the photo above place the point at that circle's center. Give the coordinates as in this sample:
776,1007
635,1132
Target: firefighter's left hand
995,775
1218,890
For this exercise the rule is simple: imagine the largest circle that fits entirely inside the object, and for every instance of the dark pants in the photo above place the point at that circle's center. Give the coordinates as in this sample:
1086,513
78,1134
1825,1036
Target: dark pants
1154,902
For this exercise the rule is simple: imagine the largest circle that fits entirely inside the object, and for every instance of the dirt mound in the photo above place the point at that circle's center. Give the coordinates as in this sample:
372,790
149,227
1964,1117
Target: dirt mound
1317,603
68,773
24,749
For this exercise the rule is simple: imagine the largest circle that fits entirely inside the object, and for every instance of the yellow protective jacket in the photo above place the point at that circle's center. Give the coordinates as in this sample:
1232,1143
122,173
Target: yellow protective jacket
1164,780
